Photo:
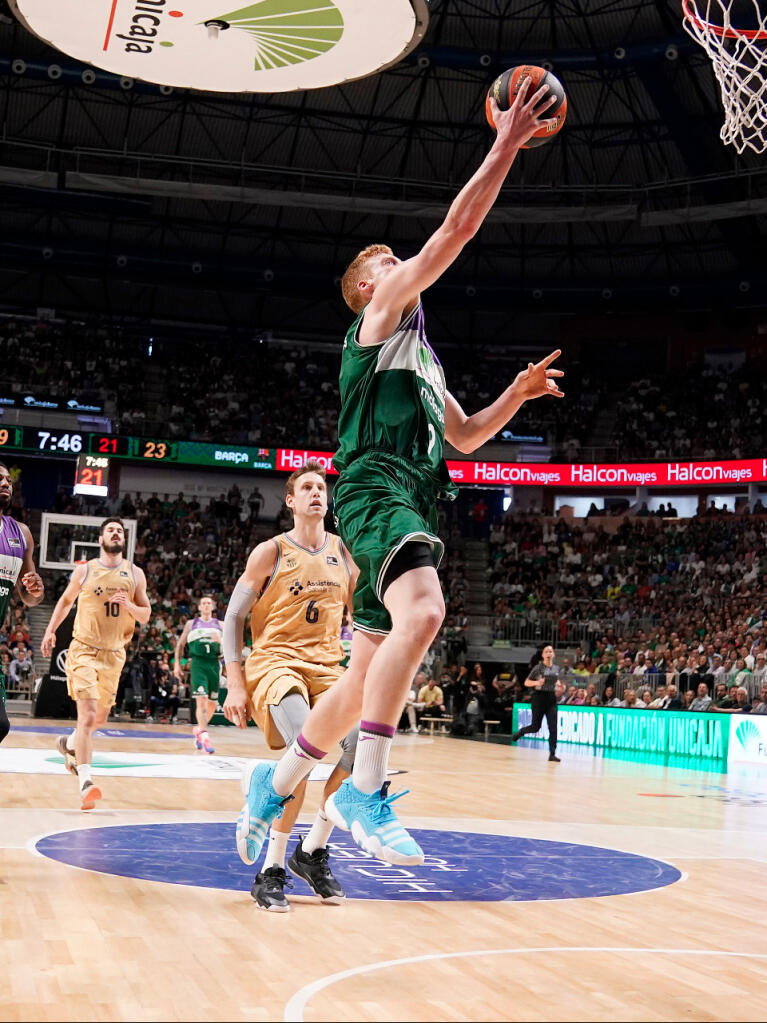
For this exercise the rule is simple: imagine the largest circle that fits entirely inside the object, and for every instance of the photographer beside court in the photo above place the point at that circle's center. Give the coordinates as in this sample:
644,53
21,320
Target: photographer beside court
471,717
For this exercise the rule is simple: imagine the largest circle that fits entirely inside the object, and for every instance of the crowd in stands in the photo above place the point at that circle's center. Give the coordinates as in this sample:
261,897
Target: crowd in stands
297,402
204,390
17,666
700,580
704,413
63,360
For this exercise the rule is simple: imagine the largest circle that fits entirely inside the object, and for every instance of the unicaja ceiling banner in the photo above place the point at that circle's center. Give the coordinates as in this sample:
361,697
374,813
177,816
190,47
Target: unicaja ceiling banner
266,46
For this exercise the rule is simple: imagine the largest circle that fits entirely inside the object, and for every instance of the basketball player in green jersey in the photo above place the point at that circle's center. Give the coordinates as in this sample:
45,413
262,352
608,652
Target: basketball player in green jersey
395,415
203,634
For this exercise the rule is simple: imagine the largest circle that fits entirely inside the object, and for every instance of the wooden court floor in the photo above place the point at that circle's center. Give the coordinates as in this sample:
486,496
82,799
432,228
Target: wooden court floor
503,825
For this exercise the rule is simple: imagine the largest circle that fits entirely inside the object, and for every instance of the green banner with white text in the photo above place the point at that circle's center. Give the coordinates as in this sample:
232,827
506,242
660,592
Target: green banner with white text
703,737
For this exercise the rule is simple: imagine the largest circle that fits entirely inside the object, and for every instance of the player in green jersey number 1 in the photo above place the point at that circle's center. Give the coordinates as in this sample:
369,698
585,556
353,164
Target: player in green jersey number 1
395,415
203,634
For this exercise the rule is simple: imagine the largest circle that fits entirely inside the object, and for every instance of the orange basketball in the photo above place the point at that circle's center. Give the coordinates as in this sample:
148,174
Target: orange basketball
506,86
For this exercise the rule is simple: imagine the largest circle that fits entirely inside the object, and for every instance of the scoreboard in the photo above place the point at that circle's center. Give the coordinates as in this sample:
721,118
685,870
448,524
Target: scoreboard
72,444
68,442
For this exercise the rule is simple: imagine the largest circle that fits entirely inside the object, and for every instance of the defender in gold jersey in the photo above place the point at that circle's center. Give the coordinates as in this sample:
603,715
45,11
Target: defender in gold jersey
296,587
111,597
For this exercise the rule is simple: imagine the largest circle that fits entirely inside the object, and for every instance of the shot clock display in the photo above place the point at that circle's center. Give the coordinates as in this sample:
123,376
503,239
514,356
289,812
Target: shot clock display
92,475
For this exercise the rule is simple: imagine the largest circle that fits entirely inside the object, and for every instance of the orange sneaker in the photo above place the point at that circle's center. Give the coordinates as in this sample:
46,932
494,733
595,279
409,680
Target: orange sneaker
89,793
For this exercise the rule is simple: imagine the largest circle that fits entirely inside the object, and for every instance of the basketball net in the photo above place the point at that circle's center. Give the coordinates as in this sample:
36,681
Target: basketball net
739,56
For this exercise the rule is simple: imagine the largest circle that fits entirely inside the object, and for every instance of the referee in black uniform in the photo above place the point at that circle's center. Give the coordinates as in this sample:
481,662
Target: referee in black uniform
542,679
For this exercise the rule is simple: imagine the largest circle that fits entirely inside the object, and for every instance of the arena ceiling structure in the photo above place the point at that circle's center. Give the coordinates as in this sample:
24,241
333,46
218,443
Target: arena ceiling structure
147,203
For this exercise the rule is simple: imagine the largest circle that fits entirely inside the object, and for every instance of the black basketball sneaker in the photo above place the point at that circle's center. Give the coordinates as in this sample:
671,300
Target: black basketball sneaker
315,870
268,890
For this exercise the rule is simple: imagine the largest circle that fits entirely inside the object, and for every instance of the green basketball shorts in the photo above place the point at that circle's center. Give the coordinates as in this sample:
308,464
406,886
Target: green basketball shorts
382,501
203,678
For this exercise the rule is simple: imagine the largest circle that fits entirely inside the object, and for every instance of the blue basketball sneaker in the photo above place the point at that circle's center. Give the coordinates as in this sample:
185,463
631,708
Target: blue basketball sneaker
262,806
373,823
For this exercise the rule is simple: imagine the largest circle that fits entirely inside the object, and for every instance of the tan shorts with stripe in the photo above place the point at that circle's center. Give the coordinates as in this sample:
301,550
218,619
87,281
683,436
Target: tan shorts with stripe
93,674
269,680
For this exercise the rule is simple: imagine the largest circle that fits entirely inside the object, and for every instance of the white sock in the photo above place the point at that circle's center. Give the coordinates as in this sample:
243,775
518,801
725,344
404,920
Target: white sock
372,756
319,834
84,773
275,854
294,766
70,743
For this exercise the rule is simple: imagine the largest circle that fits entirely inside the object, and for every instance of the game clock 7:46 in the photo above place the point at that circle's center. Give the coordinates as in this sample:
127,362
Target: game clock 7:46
48,441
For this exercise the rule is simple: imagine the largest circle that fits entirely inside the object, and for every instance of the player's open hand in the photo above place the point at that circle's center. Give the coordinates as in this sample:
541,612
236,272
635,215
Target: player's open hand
236,706
525,116
538,380
48,643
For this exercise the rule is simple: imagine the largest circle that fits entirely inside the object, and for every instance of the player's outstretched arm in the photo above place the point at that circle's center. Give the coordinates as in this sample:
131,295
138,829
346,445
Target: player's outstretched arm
30,586
401,287
62,608
467,433
248,587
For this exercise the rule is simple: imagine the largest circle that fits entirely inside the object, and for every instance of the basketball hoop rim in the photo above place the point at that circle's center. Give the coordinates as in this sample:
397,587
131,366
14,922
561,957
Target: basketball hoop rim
752,34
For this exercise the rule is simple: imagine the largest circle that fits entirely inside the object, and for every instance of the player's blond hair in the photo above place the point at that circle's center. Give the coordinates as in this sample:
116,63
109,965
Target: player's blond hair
310,465
355,272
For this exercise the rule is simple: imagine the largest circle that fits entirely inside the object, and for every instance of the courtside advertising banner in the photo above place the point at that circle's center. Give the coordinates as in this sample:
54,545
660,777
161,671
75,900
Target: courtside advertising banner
545,474
748,739
703,737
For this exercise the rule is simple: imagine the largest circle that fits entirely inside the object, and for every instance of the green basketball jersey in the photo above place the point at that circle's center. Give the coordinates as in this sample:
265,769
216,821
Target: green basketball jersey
204,639
393,400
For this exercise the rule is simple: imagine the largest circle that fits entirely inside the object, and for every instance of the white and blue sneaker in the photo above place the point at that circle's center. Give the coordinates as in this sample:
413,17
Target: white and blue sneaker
262,806
373,823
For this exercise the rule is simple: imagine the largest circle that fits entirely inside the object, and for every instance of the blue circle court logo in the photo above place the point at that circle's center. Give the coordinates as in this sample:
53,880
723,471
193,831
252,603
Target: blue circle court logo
459,866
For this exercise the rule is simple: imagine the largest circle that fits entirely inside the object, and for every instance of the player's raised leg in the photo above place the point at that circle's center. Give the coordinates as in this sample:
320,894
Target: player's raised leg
362,804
